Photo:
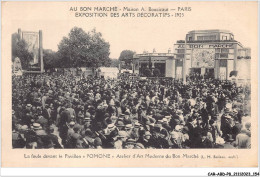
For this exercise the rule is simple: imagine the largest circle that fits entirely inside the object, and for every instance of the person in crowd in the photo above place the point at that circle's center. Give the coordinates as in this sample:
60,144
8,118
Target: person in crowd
64,111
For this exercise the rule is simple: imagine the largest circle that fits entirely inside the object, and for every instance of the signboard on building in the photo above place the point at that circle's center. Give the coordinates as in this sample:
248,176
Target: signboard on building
202,58
204,46
32,39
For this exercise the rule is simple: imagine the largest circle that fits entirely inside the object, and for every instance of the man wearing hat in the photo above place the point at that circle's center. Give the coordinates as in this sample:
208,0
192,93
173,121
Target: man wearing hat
175,142
44,122
70,132
227,124
120,125
121,139
129,144
87,122
73,139
54,138
229,143
145,140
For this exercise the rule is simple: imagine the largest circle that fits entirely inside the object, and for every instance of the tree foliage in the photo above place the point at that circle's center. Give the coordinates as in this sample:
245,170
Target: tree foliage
50,59
127,56
82,49
114,63
20,50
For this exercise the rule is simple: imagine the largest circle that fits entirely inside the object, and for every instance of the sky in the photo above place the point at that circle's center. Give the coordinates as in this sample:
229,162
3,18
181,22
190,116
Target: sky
137,34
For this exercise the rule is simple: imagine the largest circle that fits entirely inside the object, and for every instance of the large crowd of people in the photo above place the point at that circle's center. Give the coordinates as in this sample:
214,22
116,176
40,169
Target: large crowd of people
66,111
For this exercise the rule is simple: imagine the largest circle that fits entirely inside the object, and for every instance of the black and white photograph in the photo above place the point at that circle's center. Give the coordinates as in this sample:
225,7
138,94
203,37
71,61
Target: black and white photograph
125,76
195,95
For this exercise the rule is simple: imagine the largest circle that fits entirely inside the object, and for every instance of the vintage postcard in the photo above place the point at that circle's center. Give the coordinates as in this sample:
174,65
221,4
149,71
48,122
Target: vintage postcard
129,84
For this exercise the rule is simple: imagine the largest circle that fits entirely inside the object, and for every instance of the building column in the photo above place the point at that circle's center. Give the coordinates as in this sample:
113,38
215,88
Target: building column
41,51
235,57
184,65
216,70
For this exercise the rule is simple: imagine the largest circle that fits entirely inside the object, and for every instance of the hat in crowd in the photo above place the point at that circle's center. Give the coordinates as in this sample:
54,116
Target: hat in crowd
165,120
122,134
52,127
87,119
137,124
139,146
127,112
113,117
128,126
228,116
229,138
196,115
130,141
164,132
160,121
80,115
122,115
174,134
77,127
227,109
120,124
235,111
87,114
168,117
24,128
37,126
178,127
248,125
88,132
29,105
109,121
72,123
97,141
110,126
185,129
41,133
147,133
179,111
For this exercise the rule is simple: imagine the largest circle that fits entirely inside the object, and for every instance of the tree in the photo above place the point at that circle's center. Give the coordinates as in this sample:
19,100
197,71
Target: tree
114,63
81,49
50,59
20,50
127,57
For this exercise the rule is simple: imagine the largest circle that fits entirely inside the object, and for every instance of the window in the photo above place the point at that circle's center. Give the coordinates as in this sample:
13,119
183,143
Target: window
224,38
190,38
213,37
180,56
181,50
222,63
217,50
224,50
200,38
223,55
207,38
